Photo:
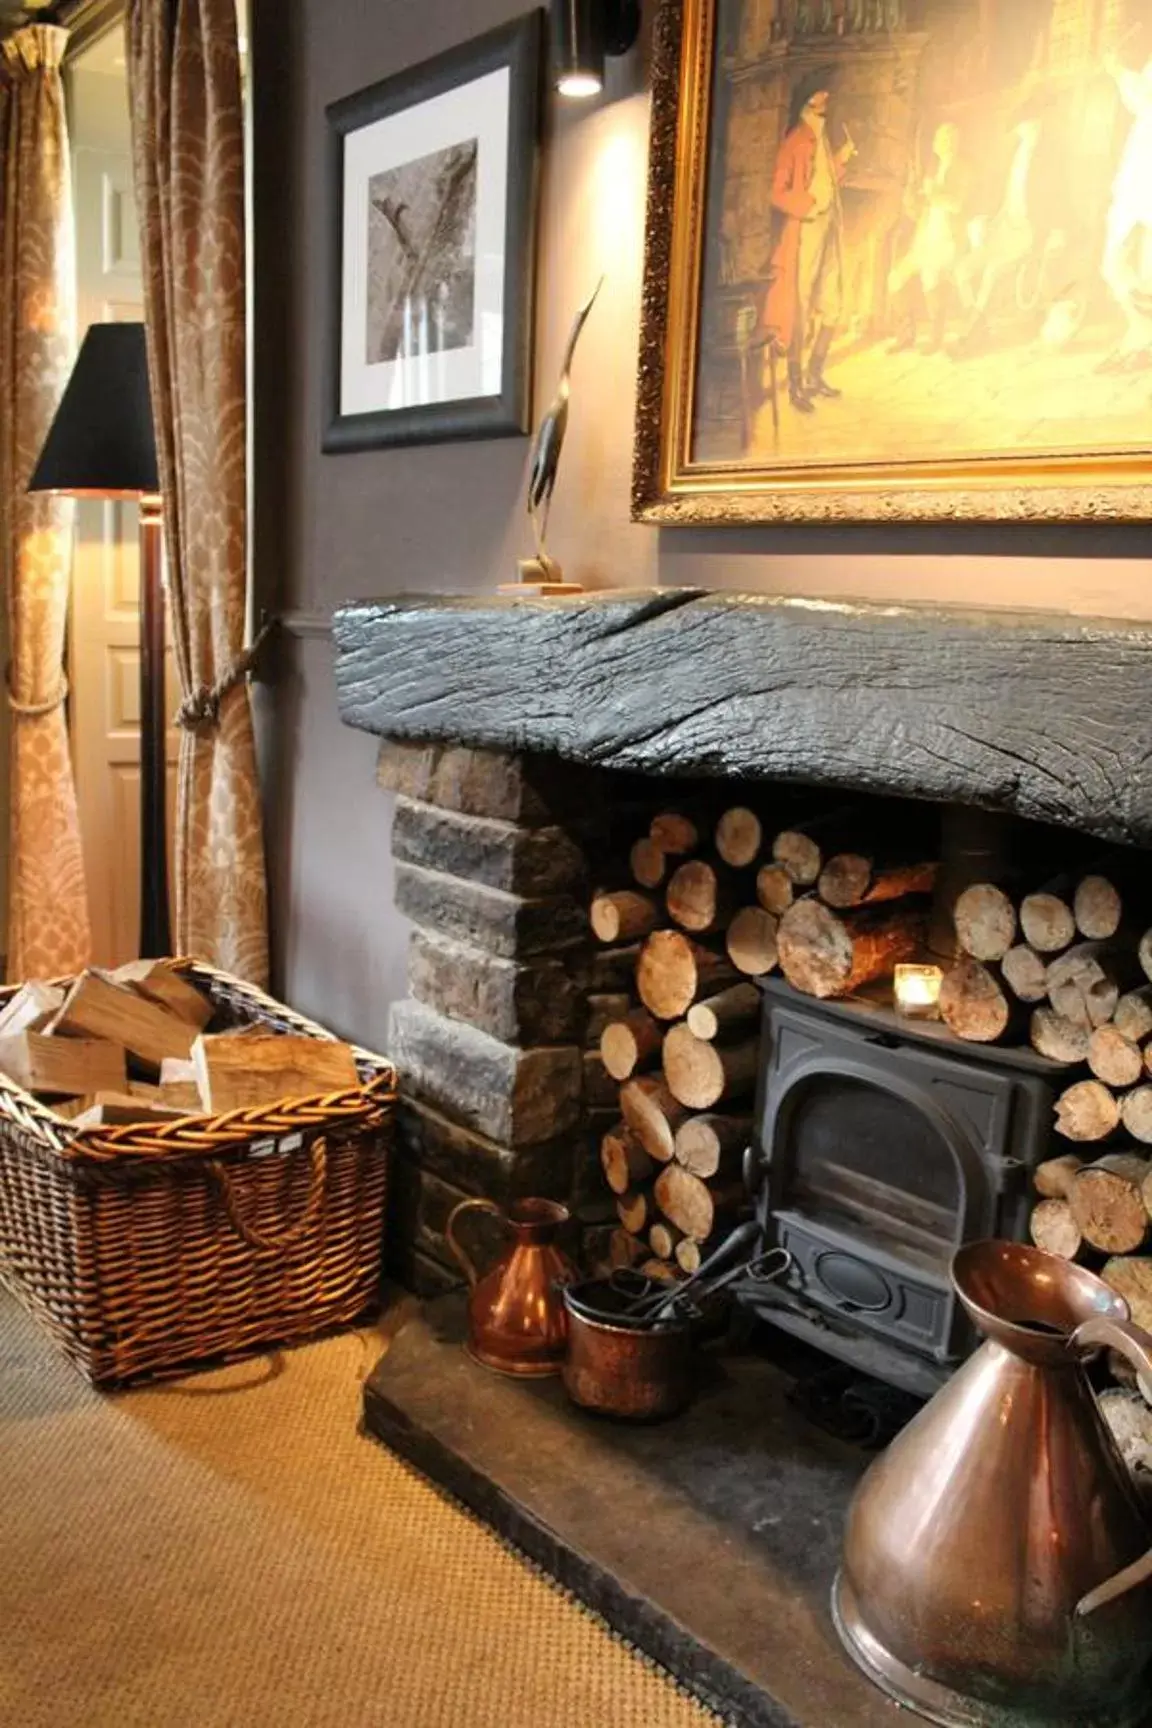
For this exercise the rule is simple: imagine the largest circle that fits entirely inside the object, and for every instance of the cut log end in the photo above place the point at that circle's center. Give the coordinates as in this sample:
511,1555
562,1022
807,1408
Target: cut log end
774,888
800,856
1053,1228
972,1004
630,1044
985,921
623,916
751,942
1107,1202
648,863
732,1010
824,953
1097,908
700,1074
1047,923
1025,973
1113,1058
739,837
1087,1111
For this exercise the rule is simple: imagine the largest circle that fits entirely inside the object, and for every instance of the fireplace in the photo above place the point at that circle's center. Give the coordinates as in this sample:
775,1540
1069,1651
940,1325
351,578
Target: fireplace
516,733
882,1145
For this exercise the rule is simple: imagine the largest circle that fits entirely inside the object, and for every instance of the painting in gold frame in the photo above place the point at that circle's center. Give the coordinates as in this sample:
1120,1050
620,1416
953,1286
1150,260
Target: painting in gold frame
899,262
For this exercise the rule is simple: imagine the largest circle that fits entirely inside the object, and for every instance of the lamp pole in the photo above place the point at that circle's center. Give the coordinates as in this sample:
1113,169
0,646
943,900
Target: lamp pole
155,936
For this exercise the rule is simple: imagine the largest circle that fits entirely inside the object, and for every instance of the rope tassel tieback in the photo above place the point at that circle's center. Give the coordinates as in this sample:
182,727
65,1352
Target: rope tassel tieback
200,711
35,710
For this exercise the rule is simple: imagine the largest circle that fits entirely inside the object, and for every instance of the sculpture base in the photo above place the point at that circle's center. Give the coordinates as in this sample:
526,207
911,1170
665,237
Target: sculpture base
539,576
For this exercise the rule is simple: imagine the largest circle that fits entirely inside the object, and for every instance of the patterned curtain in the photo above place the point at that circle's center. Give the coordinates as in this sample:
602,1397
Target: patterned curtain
47,905
188,143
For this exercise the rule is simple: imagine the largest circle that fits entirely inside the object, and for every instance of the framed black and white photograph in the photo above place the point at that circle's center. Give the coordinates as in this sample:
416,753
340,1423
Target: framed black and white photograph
433,190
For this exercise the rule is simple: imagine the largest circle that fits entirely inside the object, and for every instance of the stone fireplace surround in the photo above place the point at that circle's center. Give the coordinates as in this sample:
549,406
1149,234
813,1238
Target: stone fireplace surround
500,718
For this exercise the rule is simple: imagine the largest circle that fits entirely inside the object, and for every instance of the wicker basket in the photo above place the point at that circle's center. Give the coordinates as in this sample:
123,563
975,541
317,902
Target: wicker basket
150,1247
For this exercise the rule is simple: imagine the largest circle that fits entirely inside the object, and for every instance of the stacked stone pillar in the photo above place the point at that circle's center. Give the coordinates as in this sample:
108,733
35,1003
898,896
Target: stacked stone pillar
491,860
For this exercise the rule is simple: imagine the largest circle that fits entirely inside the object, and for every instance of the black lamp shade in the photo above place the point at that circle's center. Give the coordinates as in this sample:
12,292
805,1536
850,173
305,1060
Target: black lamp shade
102,441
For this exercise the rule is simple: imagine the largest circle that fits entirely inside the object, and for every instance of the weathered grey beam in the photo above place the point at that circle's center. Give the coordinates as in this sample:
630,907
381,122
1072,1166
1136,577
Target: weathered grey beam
1048,717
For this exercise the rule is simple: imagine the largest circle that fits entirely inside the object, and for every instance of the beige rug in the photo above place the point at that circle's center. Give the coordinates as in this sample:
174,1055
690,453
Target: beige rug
228,1550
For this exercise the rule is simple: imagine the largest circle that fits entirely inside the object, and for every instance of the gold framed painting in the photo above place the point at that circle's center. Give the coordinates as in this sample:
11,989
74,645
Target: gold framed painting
899,262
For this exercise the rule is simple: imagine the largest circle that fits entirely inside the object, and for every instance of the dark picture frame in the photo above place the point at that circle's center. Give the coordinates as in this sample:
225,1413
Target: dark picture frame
720,436
517,47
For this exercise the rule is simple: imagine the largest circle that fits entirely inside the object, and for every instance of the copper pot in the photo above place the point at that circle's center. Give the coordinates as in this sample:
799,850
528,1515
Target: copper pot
516,1317
996,1566
621,1368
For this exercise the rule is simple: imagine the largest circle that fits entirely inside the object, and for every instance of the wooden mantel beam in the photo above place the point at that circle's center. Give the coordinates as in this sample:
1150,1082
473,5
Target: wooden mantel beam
1043,716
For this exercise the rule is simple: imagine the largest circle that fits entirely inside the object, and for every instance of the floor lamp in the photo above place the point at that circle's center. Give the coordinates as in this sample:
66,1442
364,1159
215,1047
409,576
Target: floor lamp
102,444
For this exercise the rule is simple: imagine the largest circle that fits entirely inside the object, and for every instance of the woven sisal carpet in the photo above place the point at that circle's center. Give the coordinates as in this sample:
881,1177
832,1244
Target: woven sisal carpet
227,1550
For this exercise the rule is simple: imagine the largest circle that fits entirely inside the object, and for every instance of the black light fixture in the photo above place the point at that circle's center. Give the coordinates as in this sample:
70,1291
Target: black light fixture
583,33
102,444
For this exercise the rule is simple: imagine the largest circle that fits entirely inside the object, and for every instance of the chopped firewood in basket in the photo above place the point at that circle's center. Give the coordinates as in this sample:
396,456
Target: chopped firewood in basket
63,1067
95,1007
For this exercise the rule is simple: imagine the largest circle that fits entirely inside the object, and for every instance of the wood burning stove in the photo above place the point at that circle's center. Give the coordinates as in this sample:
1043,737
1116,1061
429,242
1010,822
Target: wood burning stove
882,1145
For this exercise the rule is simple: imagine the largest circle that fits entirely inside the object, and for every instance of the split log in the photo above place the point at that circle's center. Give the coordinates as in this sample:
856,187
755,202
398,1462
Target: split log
825,953
664,1238
688,1255
774,888
1097,908
648,862
739,837
30,1008
602,1010
1131,1277
1085,983
673,972
853,879
1113,1058
1133,1015
700,1074
712,1145
72,1067
699,898
623,1159
752,942
985,921
630,1044
972,1003
691,1204
1054,1177
731,1011
96,1008
235,1072
1087,1111
653,1115
624,915
634,1209
1107,1202
1136,1113
674,833
1025,973
1053,1227
624,1249
159,983
1047,923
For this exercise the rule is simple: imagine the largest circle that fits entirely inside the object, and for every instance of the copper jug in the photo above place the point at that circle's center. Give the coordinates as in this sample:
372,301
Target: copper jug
517,1321
996,1566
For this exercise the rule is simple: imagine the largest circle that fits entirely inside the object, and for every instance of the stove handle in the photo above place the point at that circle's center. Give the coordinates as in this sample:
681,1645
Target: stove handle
754,1167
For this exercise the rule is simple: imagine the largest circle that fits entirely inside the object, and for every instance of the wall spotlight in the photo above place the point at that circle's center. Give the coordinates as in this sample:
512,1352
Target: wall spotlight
583,33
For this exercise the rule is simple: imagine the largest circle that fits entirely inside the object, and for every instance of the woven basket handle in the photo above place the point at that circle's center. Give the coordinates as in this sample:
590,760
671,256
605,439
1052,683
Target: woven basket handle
269,1241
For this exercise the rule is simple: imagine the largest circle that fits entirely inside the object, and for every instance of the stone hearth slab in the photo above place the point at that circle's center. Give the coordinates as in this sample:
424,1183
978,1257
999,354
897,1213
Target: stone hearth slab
710,1542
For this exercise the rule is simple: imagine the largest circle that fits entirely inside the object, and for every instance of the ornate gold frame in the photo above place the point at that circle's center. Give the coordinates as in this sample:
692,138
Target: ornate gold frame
668,488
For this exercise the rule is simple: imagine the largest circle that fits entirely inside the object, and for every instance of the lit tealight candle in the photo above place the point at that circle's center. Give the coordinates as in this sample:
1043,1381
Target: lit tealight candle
918,991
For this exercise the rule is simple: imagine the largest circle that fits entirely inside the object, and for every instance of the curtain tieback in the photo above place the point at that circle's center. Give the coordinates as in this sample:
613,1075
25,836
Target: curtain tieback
200,711
35,710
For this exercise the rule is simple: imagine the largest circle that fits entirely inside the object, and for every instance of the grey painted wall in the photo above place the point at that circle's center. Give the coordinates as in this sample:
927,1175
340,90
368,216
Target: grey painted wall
450,517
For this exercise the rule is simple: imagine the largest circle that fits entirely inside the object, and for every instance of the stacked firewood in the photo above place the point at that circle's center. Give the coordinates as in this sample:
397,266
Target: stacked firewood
709,908
1063,969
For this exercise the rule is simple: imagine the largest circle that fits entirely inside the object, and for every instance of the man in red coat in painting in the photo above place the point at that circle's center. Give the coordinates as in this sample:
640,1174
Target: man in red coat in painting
805,272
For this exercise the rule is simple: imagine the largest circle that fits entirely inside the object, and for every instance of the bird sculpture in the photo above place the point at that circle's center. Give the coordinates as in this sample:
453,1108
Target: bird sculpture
547,446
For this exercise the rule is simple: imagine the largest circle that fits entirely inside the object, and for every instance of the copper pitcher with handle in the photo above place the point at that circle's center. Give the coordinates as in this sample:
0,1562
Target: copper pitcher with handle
517,1321
996,1560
